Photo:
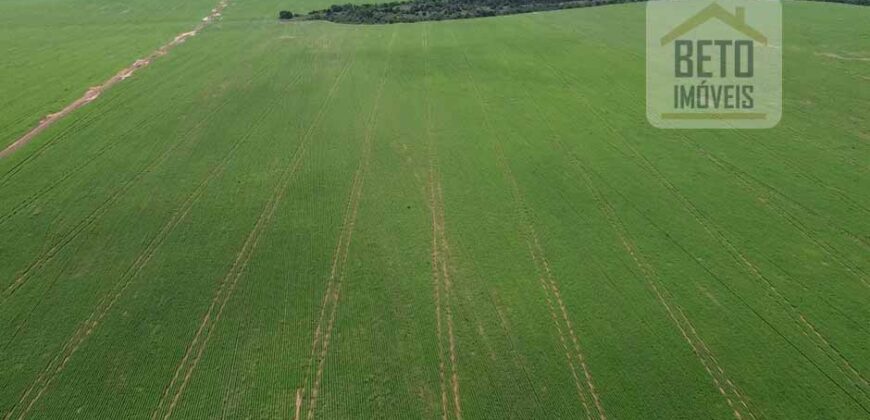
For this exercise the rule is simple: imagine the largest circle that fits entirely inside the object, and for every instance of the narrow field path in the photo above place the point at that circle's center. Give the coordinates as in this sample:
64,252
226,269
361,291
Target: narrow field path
332,295
94,92
86,328
586,390
441,266
187,366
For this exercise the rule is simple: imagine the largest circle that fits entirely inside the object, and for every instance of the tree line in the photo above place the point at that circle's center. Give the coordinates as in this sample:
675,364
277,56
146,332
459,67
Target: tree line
426,10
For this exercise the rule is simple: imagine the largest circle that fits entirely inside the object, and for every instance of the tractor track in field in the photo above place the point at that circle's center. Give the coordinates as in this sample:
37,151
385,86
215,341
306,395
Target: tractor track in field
106,303
338,268
785,215
232,391
69,174
519,361
554,298
86,328
806,327
45,250
20,322
749,180
752,184
844,196
747,185
48,254
52,249
84,120
546,279
212,316
705,356
300,391
323,333
440,261
94,92
443,285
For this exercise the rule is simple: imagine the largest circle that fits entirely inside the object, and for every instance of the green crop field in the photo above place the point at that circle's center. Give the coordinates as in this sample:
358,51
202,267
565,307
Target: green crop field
458,219
53,50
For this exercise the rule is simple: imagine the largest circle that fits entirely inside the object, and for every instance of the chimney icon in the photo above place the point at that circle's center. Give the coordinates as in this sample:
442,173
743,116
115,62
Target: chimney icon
737,20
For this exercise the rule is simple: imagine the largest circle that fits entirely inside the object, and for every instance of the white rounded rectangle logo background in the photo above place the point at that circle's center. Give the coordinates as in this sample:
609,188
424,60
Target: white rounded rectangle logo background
714,64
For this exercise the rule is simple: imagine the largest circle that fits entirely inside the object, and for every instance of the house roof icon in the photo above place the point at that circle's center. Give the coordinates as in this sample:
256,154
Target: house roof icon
715,11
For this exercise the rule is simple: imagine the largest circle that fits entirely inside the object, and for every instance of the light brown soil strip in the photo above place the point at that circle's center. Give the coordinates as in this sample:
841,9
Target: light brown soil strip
332,294
298,404
436,286
842,57
440,263
448,287
94,92
436,258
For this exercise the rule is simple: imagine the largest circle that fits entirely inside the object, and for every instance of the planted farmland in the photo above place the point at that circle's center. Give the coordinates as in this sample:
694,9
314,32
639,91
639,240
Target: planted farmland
430,220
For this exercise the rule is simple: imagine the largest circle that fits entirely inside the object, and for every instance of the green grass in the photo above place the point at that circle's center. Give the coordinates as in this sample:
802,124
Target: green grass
173,246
